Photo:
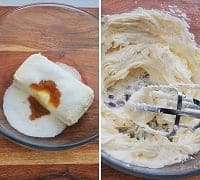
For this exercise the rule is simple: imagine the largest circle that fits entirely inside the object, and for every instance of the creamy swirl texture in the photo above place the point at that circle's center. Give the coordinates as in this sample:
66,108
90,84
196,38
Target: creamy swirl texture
139,49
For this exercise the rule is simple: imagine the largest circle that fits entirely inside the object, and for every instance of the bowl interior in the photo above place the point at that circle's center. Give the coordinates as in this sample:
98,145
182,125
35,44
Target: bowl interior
192,166
63,34
187,168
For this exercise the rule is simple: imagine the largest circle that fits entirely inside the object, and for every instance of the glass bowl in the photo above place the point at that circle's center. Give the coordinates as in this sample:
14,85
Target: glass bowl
64,34
189,167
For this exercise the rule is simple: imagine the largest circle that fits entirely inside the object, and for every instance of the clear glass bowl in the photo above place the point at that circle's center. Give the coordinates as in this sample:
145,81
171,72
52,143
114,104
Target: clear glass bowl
192,166
64,34
188,168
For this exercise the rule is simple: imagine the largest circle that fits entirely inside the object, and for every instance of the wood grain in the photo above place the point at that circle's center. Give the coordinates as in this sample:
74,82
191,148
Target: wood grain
49,172
12,154
23,163
109,173
190,7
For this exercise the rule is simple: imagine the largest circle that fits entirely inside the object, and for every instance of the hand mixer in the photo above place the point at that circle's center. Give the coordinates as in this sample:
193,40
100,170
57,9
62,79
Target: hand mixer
172,102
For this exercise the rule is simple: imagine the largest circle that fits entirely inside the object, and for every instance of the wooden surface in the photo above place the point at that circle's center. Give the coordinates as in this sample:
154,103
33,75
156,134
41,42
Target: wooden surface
190,7
18,162
109,173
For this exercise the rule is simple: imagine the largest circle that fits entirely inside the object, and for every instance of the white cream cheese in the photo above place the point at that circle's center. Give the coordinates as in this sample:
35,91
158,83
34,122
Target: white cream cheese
142,48
75,96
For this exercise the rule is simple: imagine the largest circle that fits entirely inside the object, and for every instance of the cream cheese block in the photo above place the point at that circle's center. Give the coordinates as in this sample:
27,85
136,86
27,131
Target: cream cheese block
17,111
54,88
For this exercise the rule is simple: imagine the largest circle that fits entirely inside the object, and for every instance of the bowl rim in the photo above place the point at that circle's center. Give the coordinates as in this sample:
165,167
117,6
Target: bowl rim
128,169
53,4
40,146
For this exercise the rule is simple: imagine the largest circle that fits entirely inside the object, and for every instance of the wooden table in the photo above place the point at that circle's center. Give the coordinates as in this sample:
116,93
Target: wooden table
190,7
17,162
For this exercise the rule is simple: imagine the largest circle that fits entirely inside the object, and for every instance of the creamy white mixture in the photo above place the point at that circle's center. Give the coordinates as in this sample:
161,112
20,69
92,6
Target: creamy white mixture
139,49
